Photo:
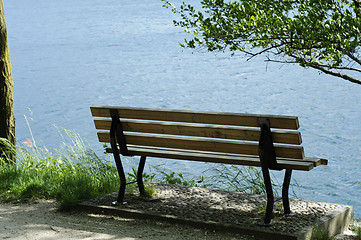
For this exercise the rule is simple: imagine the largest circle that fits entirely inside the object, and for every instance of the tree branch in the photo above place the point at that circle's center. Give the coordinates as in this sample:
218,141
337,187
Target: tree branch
354,58
340,68
278,61
264,50
340,75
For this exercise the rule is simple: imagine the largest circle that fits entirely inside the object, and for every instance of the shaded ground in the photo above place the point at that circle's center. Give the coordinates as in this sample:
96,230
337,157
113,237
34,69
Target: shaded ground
42,221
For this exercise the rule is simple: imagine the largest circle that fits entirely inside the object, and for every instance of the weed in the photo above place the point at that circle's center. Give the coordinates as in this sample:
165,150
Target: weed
357,229
172,177
278,208
7,150
132,176
239,179
319,234
148,187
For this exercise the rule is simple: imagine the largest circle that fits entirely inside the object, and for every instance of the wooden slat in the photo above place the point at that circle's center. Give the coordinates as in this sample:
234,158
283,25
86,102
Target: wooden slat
220,118
324,161
200,130
315,161
214,158
248,148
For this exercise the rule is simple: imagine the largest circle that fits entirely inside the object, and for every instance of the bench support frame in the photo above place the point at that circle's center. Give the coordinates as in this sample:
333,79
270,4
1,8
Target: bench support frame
268,161
285,187
117,135
140,175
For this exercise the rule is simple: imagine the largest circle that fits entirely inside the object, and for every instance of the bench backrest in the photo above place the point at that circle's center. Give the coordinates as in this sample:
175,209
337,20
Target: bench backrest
232,133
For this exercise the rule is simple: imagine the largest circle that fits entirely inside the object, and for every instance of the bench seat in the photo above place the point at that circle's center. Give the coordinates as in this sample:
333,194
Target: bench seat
305,164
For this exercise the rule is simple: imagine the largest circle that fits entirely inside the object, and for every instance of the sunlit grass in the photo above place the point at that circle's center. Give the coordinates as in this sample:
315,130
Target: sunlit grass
70,174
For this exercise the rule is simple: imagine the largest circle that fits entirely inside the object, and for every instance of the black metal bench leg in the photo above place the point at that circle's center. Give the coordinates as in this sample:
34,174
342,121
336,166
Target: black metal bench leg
270,198
285,187
116,134
123,181
140,175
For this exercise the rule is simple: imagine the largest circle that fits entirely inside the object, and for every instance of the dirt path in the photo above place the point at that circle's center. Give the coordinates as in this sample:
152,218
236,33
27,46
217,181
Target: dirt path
42,221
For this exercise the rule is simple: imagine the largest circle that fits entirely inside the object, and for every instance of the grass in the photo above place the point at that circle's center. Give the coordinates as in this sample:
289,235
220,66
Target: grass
247,179
357,229
319,234
227,177
149,188
71,174
171,177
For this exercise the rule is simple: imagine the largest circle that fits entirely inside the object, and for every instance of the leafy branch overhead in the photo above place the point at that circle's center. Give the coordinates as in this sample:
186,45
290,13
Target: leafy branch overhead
324,35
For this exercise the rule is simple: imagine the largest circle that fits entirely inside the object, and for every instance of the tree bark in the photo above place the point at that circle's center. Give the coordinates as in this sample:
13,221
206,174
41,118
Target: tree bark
7,119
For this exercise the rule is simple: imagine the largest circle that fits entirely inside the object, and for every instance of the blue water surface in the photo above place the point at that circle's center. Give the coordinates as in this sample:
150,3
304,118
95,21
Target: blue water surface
67,55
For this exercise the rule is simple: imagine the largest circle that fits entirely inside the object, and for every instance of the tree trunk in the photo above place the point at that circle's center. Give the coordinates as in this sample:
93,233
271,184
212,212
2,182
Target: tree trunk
7,119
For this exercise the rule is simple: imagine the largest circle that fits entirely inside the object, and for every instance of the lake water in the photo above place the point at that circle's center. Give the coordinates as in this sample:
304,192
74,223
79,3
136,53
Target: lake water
67,55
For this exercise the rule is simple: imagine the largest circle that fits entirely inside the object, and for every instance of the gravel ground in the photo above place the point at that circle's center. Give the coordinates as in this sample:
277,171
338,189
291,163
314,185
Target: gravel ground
240,209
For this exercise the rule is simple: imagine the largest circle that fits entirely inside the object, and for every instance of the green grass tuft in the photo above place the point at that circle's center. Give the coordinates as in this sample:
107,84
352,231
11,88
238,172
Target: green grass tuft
356,228
71,174
319,234
246,179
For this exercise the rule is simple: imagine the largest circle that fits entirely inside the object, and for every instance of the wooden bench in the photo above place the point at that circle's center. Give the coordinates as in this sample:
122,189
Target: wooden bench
266,141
